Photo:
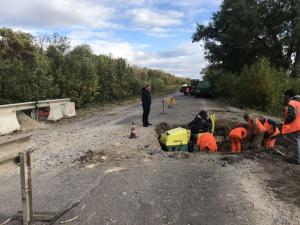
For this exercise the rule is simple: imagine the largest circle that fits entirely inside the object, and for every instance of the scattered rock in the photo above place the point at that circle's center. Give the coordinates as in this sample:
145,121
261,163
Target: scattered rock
92,156
90,166
230,159
178,154
115,169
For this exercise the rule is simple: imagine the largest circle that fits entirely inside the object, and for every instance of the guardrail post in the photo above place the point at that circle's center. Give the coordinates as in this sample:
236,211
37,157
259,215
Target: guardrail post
26,188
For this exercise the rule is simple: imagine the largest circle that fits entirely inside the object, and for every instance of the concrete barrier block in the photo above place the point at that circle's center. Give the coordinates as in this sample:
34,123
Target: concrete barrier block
56,112
69,110
8,121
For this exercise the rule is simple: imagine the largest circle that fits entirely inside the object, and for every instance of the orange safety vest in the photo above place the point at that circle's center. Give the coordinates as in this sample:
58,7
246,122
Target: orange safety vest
239,132
295,124
269,142
259,125
277,132
269,127
207,140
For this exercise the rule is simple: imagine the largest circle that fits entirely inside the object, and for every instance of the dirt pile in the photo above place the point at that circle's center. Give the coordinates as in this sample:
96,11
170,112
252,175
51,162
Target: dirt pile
163,127
178,155
92,156
27,123
96,157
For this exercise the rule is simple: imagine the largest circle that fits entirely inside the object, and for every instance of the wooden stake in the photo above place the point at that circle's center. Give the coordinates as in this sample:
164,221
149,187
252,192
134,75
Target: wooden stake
26,188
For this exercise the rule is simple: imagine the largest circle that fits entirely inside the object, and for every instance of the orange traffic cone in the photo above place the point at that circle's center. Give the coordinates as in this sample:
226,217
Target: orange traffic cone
132,132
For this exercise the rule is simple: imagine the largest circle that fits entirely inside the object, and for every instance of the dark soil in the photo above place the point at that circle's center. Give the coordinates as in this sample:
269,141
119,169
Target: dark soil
286,183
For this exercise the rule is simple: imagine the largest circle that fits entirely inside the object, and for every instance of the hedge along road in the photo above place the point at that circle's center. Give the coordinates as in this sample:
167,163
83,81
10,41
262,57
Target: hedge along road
131,181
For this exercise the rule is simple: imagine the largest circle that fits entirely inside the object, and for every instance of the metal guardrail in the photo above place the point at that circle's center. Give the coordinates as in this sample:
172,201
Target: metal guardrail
19,106
46,103
33,105
9,150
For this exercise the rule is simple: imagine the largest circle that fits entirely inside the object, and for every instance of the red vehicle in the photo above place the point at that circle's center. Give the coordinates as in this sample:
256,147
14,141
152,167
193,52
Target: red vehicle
43,113
185,89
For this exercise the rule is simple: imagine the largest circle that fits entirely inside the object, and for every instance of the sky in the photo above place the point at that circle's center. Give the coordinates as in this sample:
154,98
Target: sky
148,33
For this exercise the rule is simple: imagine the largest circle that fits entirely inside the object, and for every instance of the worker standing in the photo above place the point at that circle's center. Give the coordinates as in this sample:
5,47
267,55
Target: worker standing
236,136
271,133
257,131
291,125
146,103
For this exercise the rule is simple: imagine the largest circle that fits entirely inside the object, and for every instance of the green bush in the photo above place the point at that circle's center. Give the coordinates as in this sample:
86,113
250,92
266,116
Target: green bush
223,84
261,86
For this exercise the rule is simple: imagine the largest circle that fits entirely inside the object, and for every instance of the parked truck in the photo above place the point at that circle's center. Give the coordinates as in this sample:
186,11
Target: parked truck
203,89
194,84
197,88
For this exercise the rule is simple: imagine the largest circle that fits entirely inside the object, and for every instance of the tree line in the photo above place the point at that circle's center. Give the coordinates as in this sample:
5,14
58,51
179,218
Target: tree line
45,67
253,47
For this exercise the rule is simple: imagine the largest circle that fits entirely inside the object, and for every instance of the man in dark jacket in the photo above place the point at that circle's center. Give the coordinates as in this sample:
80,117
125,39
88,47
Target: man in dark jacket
291,125
146,102
201,123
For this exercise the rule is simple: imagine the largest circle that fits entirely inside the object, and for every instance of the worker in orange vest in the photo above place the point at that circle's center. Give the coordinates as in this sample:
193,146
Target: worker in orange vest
256,130
271,133
236,136
291,125
207,141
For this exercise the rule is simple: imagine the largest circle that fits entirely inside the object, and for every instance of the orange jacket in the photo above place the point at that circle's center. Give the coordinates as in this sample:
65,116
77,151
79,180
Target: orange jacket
276,133
258,128
207,140
268,127
295,124
239,132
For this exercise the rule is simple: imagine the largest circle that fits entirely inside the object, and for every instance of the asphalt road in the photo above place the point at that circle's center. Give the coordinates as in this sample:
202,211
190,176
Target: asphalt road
139,184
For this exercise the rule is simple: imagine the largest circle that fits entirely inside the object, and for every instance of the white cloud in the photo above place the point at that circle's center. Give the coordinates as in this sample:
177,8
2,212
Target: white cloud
99,23
186,60
88,35
146,18
192,3
55,14
102,46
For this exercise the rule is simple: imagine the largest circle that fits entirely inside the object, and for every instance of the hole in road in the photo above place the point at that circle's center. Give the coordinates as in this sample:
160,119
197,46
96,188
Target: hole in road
181,143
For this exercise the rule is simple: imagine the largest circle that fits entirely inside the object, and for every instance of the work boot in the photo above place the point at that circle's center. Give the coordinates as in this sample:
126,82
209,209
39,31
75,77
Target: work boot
149,124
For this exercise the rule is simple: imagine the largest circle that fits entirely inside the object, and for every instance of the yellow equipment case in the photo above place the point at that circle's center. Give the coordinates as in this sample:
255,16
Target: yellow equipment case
175,140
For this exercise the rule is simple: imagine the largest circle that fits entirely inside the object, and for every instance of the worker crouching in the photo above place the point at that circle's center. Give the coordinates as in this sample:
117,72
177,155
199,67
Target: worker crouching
236,136
207,142
256,130
271,133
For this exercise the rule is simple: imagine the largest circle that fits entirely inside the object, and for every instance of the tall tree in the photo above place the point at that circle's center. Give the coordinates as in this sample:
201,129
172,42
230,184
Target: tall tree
295,28
244,30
